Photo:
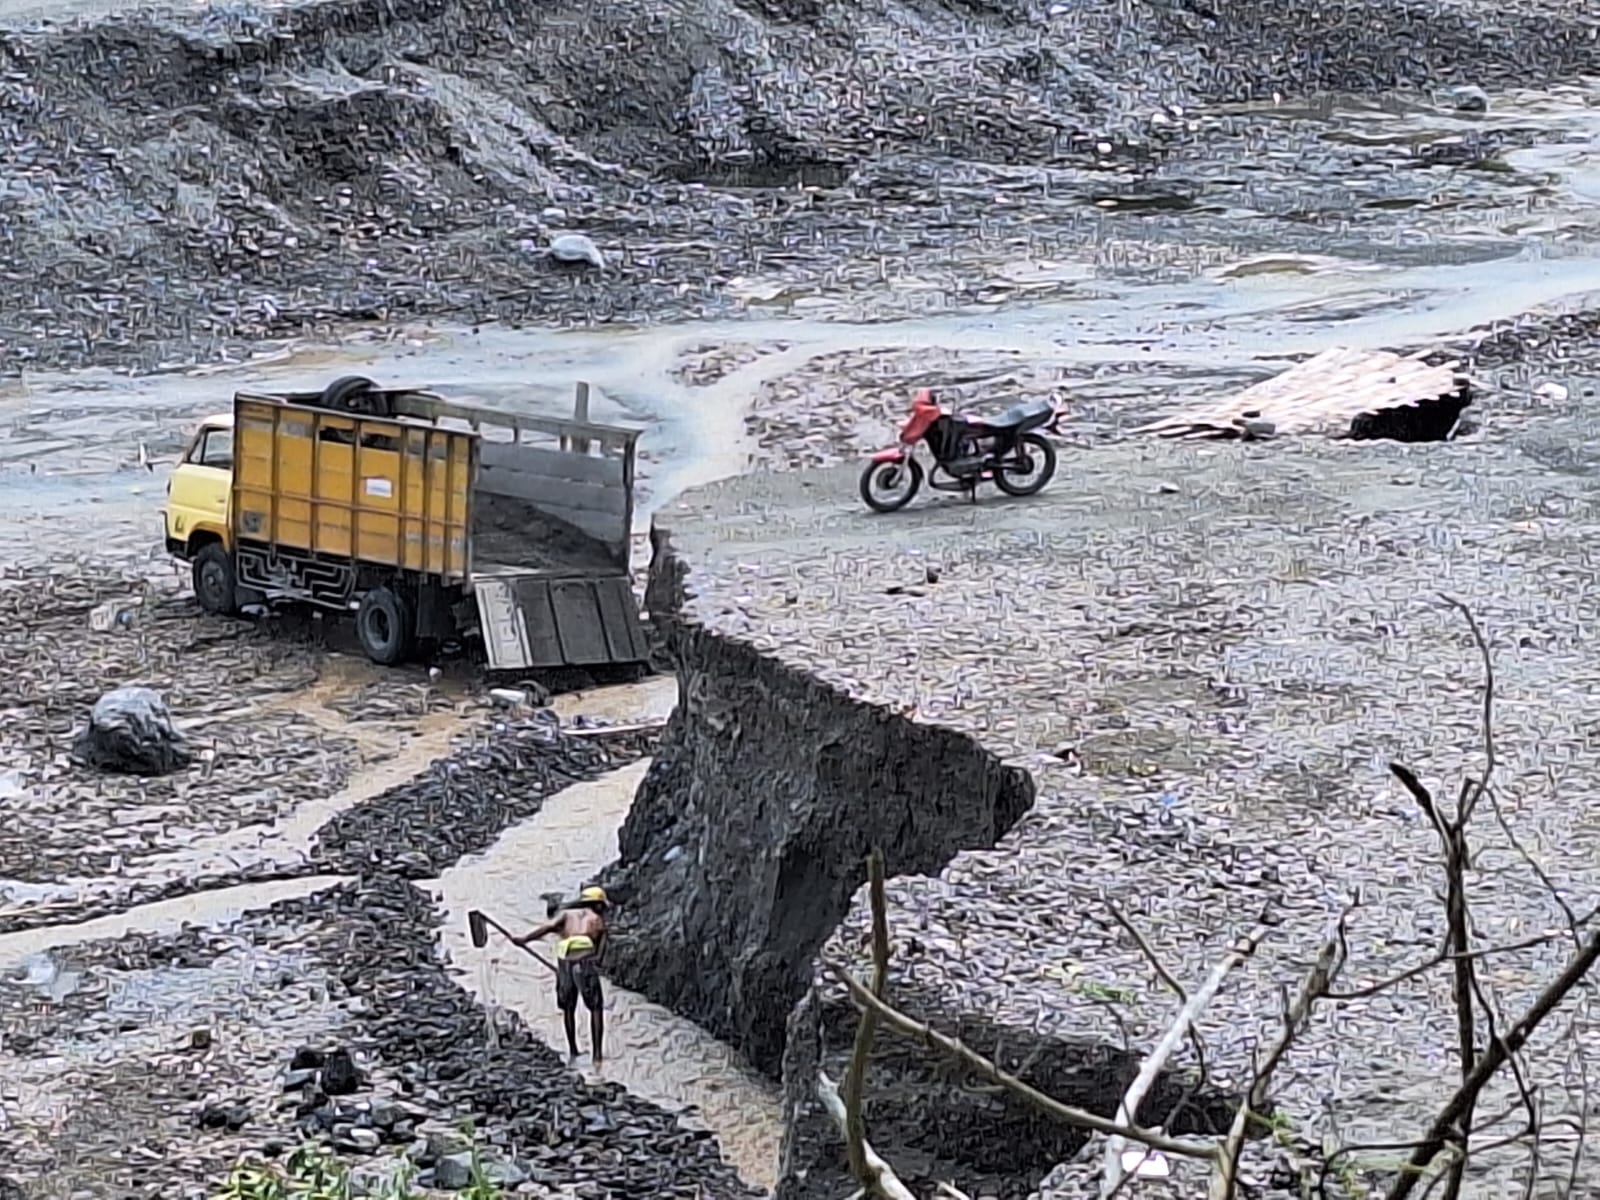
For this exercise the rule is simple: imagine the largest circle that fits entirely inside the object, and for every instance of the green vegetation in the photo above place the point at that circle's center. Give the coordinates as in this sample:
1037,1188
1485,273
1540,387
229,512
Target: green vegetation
310,1173
313,1172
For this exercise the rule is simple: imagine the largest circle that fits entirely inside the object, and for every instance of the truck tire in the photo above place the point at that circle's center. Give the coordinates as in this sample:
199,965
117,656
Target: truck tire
215,586
354,394
385,626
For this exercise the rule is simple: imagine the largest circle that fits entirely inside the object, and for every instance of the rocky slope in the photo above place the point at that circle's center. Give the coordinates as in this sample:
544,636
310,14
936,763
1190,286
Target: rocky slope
178,184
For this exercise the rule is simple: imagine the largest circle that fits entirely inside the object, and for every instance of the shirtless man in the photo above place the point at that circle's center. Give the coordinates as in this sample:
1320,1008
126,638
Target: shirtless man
581,927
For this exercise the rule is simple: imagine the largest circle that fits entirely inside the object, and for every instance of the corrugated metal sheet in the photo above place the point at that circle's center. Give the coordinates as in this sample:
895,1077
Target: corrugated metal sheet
1329,395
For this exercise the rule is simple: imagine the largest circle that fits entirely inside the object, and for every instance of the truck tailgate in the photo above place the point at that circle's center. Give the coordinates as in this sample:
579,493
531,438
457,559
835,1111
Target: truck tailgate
536,620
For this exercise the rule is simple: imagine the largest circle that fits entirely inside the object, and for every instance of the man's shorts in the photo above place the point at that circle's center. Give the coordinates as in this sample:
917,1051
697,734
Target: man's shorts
578,977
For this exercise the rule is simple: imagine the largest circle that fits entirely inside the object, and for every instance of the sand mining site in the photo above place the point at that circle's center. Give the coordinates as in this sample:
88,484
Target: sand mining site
1168,688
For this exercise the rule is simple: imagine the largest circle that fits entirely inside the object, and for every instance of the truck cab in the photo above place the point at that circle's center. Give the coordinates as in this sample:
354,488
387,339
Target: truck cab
196,514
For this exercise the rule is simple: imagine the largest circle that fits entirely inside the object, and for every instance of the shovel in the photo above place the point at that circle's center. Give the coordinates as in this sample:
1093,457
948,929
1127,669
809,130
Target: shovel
478,926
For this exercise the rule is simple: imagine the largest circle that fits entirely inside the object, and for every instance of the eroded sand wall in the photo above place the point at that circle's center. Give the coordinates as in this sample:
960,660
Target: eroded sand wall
750,832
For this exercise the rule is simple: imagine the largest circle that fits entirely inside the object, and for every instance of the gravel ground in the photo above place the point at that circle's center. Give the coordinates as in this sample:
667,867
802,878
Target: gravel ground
114,1049
836,407
278,725
181,184
840,406
256,759
1207,655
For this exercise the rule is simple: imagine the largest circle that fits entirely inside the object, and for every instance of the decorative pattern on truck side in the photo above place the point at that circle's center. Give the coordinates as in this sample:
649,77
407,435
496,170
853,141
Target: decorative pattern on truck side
284,575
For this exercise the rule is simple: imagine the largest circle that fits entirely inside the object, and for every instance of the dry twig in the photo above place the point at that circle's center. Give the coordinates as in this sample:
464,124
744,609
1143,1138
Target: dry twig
1453,1124
1489,1062
1464,988
886,1181
1329,961
1157,1058
1196,1042
1077,1118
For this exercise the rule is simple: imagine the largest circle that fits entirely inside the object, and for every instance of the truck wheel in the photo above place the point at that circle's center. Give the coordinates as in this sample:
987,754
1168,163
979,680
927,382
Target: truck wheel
214,584
385,627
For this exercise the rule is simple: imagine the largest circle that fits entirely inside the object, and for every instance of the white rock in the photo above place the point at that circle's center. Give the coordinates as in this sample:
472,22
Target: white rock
576,248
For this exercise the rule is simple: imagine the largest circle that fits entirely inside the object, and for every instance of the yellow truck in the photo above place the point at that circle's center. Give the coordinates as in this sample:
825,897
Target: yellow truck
427,519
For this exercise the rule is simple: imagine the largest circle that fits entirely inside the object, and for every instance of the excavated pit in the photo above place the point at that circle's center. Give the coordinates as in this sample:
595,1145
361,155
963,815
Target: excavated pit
1172,683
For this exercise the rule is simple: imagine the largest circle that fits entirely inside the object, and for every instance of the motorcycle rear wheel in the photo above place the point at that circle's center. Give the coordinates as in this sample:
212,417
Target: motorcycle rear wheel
880,479
1040,454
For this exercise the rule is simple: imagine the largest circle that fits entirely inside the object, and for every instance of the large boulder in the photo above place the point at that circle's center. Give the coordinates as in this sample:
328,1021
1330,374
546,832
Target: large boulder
130,732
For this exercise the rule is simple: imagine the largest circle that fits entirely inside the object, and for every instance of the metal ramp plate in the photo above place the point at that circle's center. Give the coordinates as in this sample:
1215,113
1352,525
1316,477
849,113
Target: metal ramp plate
532,621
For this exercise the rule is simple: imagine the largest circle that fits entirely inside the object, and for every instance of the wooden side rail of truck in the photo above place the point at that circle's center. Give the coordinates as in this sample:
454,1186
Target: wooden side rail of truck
428,519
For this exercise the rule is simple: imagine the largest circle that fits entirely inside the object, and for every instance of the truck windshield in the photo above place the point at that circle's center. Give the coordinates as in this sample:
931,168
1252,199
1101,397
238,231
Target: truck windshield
213,448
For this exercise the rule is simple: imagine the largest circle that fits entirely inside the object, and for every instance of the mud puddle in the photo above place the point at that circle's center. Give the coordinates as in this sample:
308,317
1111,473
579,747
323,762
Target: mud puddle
649,1051
212,908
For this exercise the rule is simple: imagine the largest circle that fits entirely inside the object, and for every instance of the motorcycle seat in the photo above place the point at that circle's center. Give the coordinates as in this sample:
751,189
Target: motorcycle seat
1029,412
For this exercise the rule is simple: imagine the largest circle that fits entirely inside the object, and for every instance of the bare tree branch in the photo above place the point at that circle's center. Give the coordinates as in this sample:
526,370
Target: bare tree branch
1482,643
1127,1111
1330,959
884,1180
1452,835
1583,1109
1527,1094
1077,1118
1543,876
1165,976
855,1080
1444,956
1492,1059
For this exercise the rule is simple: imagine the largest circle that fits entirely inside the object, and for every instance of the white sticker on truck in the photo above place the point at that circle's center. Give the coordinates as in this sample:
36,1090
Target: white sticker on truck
378,486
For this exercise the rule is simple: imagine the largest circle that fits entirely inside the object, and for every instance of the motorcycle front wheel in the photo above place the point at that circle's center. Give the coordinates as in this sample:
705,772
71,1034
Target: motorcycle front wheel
887,486
1031,467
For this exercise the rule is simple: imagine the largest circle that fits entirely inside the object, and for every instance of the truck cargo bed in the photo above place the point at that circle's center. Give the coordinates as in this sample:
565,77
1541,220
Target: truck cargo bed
510,532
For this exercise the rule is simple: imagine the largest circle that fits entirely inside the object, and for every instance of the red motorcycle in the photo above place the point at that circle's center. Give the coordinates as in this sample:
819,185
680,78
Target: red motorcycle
966,451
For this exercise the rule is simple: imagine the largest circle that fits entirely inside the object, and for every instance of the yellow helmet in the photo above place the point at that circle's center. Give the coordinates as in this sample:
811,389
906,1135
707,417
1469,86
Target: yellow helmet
593,895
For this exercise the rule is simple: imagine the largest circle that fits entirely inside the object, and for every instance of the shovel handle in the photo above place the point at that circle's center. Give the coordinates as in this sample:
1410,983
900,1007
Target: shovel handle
531,953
